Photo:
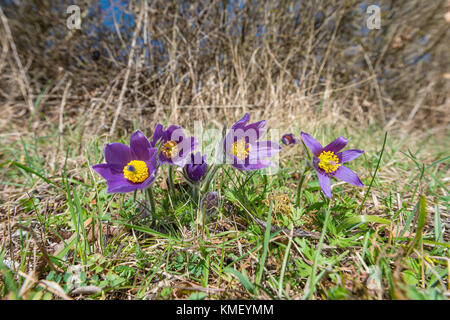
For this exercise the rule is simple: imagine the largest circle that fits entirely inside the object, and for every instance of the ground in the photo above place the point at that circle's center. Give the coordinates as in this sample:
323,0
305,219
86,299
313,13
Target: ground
64,237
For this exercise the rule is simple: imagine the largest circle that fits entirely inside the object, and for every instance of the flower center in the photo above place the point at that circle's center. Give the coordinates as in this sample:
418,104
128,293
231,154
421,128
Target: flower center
240,149
329,162
169,149
136,171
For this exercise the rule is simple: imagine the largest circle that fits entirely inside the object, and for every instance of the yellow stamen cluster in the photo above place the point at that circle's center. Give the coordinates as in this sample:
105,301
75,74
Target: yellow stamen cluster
136,171
329,162
169,149
240,149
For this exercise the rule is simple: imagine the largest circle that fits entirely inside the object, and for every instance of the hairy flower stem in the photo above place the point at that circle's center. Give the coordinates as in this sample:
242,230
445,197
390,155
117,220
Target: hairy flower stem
151,199
201,215
300,185
195,192
211,173
171,185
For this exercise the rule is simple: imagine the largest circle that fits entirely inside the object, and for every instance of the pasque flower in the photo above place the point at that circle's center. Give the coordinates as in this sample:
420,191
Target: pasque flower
328,162
175,146
243,148
129,168
196,167
288,139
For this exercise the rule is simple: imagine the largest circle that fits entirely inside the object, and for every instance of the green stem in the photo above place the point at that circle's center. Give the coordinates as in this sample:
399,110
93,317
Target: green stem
195,191
299,187
171,185
151,199
200,222
211,173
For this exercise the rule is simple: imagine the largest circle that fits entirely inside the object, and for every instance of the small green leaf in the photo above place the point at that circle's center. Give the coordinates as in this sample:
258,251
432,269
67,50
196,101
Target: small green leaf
352,221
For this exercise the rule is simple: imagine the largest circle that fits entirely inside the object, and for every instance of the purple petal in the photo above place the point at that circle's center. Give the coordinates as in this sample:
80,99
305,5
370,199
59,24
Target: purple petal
122,186
163,159
260,164
311,143
237,134
264,149
254,165
117,183
108,171
185,147
178,161
197,158
315,163
189,146
152,166
114,178
255,160
336,145
345,174
348,155
258,127
325,184
118,153
157,134
140,145
171,161
196,167
151,162
241,123
174,133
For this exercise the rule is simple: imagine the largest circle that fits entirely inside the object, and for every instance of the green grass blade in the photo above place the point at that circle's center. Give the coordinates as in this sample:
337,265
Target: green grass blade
421,219
262,260
242,278
312,279
437,224
352,221
29,170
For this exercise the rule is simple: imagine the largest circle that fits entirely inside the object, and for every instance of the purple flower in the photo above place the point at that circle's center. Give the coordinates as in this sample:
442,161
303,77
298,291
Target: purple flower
288,139
196,167
328,162
129,168
175,147
242,147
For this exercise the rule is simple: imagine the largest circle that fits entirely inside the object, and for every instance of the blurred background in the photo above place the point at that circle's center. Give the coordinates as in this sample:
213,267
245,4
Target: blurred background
133,63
